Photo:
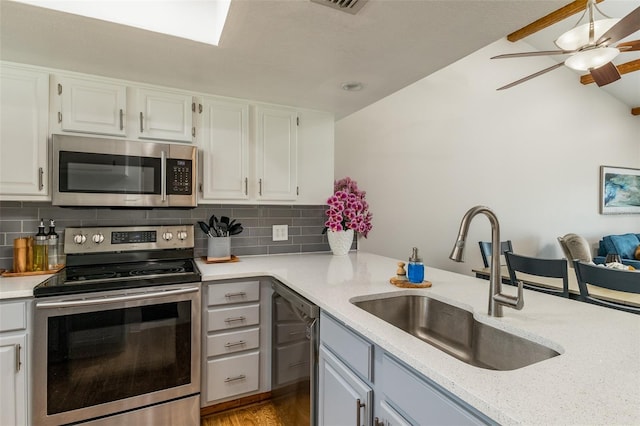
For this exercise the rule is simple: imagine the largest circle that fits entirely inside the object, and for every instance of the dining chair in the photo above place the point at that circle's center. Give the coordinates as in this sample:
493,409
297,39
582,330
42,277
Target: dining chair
485,250
609,278
548,268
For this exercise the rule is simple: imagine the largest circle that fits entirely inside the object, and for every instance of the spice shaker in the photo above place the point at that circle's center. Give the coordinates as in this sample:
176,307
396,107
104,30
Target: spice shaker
52,240
415,269
20,255
40,249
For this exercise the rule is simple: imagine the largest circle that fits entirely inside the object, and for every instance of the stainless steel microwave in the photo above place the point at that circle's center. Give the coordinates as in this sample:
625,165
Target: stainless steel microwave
99,172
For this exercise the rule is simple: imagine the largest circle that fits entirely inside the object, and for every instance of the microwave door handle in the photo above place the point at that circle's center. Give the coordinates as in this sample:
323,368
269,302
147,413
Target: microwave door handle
163,175
112,299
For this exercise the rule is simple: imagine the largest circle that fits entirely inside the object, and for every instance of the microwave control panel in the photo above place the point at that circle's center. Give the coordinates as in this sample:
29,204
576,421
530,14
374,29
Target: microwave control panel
179,177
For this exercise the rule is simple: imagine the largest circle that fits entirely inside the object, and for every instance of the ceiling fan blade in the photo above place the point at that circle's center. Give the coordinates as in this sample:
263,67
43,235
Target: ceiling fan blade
608,73
529,77
540,53
626,26
627,67
554,17
629,46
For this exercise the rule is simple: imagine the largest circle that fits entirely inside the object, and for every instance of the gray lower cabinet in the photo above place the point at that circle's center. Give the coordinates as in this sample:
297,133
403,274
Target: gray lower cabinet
344,398
356,373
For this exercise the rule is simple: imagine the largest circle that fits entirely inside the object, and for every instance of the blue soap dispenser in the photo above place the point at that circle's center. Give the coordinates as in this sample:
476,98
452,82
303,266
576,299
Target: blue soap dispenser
415,270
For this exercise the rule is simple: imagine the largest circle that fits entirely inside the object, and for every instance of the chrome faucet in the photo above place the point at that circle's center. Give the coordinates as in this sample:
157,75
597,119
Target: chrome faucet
496,298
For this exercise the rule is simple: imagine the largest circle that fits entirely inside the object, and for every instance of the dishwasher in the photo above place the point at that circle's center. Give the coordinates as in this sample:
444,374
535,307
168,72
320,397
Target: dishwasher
294,356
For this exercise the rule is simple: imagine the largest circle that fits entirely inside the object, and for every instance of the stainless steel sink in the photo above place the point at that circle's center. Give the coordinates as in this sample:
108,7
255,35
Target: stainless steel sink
456,332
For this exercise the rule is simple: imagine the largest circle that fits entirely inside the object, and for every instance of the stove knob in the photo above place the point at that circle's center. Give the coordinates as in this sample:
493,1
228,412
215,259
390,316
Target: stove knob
167,236
79,239
97,238
182,235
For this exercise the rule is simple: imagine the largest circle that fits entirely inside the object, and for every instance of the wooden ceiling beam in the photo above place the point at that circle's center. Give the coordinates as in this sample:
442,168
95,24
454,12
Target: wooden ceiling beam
564,12
625,68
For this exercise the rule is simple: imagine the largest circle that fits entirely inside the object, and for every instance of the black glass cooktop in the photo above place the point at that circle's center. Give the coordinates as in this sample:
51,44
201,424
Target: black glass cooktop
116,276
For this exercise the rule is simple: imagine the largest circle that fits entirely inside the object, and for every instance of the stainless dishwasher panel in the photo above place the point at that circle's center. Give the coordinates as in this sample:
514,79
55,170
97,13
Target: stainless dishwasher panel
294,355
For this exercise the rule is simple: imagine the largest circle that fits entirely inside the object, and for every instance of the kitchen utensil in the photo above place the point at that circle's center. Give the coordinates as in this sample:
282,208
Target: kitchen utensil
236,229
223,229
205,228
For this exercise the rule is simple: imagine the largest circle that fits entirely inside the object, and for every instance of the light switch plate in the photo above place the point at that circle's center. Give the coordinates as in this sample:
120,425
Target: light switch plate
280,233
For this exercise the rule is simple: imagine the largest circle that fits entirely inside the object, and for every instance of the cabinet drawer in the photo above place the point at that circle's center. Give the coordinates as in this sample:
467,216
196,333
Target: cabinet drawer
292,362
226,343
290,332
353,349
233,375
236,292
13,316
226,318
424,403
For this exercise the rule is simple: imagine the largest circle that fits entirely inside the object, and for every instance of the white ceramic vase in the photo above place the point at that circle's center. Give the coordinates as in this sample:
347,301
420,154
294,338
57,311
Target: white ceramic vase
340,241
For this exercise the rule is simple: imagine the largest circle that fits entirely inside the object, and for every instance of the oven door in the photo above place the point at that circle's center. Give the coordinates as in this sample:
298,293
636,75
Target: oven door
101,354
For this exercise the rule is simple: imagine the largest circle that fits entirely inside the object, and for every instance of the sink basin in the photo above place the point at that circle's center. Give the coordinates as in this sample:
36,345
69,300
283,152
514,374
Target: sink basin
455,331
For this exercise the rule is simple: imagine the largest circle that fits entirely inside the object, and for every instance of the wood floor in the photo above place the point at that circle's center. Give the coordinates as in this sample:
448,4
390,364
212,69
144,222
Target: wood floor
290,410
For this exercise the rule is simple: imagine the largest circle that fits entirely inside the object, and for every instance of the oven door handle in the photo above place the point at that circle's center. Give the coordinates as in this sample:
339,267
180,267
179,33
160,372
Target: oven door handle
111,299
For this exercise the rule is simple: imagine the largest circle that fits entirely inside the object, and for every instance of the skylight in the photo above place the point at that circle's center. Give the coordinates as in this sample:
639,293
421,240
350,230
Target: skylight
199,20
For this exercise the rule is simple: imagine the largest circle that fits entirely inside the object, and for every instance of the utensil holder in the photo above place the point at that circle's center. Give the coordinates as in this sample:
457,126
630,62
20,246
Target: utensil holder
218,248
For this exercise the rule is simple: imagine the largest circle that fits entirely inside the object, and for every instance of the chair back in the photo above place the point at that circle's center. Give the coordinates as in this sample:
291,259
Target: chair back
549,268
485,250
609,278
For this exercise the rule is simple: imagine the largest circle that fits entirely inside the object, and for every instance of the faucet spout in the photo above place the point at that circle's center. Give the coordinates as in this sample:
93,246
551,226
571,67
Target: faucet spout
496,298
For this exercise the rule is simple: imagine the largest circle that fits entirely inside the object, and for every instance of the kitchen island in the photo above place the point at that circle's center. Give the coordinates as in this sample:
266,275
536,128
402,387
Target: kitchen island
595,380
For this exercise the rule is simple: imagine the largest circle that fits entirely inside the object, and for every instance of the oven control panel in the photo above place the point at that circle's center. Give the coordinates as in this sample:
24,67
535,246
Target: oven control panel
127,238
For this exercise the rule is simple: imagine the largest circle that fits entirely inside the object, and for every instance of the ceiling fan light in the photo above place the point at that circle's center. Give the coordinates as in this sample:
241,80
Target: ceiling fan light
593,58
578,37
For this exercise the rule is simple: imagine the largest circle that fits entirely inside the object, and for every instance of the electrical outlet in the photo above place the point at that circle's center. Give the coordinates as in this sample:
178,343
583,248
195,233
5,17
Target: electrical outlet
280,233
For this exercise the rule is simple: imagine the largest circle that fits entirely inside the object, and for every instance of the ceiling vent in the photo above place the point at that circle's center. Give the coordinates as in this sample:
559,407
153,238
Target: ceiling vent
349,6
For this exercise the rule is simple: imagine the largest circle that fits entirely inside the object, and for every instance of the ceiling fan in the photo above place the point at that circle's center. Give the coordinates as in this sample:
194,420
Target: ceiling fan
589,46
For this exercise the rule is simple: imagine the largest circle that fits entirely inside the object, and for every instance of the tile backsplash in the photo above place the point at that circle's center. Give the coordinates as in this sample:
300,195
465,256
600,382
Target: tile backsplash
21,219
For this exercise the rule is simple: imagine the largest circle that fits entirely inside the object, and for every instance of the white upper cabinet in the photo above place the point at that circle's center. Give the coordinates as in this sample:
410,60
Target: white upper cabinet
91,106
24,102
315,157
164,115
224,144
276,153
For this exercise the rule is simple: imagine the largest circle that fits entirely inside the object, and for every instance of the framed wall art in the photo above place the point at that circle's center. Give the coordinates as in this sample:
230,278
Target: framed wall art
619,190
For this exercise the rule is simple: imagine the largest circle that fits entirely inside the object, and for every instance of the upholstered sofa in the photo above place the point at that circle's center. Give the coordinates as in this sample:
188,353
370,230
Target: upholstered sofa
625,245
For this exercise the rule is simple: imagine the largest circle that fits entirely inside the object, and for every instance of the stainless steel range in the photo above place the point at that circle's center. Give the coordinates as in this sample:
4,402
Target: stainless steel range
117,332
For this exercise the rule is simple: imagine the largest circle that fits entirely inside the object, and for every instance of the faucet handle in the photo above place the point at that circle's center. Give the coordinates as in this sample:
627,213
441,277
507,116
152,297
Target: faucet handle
511,301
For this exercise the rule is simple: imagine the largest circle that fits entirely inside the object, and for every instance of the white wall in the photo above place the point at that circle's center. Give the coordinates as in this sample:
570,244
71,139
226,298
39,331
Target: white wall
429,152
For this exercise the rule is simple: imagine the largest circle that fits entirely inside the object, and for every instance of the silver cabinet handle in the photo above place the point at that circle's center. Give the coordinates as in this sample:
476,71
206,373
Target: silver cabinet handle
141,121
233,379
18,356
234,319
112,299
232,344
163,175
40,178
238,294
260,186
246,186
121,119
359,405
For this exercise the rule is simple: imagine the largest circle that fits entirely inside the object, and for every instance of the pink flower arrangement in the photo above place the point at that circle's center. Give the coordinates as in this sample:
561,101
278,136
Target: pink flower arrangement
348,208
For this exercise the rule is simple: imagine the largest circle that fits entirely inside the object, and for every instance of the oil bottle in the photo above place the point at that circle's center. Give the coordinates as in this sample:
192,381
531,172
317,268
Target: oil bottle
40,249
52,242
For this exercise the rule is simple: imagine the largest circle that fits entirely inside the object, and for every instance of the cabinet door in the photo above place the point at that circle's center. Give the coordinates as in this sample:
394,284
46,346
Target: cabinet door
224,141
343,398
24,105
13,386
277,153
164,115
89,106
389,417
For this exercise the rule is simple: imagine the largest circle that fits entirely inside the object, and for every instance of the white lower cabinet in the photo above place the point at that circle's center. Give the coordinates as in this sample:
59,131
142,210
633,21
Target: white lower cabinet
231,341
13,364
355,374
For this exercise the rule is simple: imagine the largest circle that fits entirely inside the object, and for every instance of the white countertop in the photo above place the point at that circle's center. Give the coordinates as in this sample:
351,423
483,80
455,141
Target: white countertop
595,380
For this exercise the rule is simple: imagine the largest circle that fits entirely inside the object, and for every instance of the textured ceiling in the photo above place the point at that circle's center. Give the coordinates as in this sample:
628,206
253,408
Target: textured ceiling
290,52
